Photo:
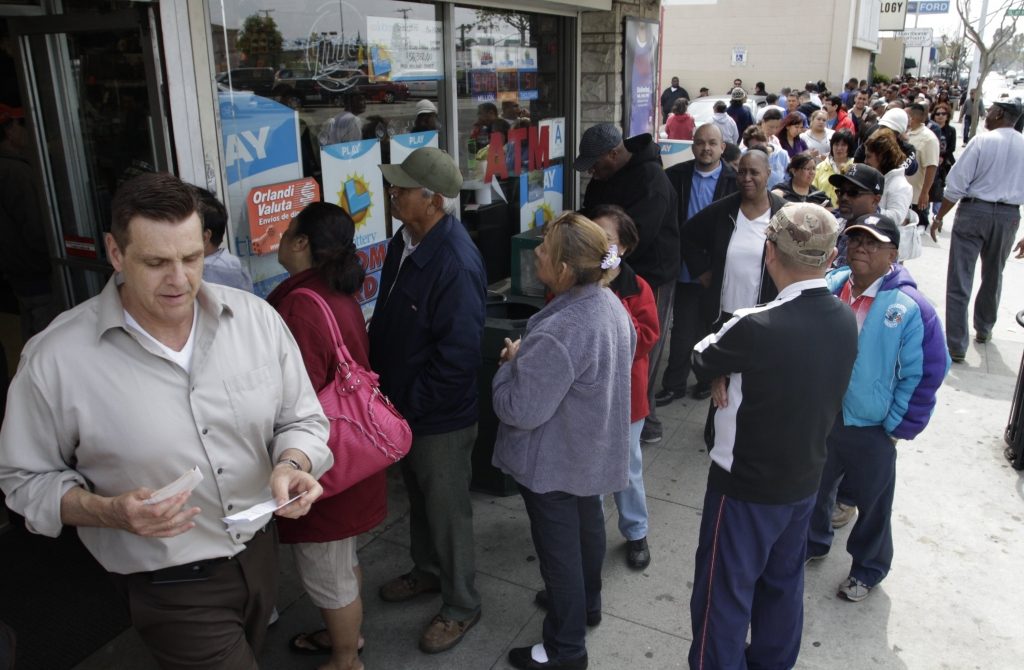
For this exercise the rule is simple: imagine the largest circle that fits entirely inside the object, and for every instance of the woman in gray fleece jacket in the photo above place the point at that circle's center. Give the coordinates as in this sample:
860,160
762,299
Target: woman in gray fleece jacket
562,395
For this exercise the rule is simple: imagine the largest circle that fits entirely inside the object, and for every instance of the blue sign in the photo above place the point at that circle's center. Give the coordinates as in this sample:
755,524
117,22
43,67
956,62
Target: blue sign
931,7
259,135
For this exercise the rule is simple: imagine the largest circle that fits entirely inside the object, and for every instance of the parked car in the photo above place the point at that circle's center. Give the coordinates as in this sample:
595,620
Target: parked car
703,109
377,91
298,87
259,80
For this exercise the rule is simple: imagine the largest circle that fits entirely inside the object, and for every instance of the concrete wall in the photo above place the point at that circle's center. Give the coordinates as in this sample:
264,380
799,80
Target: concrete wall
889,60
860,64
787,45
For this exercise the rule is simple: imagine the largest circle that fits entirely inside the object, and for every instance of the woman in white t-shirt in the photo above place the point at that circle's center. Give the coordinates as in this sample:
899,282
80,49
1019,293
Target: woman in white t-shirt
817,137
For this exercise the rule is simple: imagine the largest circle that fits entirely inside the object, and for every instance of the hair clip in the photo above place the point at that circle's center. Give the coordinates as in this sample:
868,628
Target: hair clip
611,259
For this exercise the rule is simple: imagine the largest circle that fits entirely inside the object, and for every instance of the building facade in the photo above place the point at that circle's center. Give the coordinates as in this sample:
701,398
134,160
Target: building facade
713,42
254,102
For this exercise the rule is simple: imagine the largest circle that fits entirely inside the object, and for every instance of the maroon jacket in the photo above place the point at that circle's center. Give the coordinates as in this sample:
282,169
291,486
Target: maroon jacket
363,506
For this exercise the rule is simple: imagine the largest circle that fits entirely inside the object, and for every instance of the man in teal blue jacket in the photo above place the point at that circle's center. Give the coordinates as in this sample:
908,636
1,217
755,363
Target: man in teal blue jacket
901,362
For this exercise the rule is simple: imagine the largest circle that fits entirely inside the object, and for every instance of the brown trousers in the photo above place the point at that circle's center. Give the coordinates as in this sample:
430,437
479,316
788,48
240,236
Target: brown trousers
217,623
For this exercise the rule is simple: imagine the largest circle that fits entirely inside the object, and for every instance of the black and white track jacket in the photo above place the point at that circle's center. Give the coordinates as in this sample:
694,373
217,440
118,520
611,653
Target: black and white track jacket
788,363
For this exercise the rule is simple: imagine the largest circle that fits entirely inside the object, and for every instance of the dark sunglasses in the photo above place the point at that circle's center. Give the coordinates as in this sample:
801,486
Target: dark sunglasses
851,192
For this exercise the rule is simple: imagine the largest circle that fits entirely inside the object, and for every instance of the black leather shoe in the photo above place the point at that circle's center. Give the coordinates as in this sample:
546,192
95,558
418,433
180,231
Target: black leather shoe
521,658
702,391
665,397
541,600
638,554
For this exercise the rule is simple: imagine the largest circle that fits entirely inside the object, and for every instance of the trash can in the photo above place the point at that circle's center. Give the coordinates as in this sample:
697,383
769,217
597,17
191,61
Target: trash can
505,318
1014,434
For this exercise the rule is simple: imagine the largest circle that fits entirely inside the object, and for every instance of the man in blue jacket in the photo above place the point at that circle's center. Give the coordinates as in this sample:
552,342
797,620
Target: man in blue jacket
901,362
425,340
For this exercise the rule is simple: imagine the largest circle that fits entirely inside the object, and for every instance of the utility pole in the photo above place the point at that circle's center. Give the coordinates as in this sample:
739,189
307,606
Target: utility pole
976,62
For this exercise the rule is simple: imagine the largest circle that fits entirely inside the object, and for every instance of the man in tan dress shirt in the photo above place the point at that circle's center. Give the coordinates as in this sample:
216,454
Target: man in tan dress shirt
159,374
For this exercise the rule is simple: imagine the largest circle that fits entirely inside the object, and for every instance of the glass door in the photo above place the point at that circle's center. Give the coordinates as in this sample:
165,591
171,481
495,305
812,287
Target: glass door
94,94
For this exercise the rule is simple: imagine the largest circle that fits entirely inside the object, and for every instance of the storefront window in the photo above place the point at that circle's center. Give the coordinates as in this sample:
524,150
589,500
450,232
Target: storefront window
312,97
512,105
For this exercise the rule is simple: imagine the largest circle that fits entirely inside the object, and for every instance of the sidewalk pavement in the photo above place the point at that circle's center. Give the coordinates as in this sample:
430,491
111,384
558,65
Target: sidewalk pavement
952,600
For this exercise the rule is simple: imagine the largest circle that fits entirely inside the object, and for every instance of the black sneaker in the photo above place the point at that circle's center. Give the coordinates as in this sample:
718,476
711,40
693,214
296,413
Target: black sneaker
638,554
650,436
522,657
665,397
541,601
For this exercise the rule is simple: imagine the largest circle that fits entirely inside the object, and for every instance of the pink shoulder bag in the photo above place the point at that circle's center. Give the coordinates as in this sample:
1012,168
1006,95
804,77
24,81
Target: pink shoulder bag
367,432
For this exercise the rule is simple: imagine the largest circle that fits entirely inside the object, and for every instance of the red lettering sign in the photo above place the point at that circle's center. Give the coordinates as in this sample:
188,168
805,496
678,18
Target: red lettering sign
271,209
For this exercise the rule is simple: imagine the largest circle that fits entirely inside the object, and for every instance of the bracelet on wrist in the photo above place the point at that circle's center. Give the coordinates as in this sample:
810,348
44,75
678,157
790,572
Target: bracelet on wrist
292,462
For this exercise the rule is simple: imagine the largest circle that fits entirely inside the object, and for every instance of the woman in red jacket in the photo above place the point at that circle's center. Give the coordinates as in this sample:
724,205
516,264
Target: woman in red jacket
638,299
680,125
319,254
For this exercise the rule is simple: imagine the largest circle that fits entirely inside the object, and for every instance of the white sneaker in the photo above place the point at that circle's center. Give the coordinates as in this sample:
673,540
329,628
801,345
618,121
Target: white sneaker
843,514
853,590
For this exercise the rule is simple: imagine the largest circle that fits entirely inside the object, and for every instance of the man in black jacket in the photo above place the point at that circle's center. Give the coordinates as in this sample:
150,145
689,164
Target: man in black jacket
670,95
698,182
630,174
778,373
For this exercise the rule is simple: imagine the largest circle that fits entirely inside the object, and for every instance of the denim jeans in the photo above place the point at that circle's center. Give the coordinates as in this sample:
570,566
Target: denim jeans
632,500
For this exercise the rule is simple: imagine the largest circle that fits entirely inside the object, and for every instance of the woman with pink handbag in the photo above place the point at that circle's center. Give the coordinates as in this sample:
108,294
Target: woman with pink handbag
320,256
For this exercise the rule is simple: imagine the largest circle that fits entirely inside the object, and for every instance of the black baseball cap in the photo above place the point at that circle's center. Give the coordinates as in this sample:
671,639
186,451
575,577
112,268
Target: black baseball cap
862,176
878,226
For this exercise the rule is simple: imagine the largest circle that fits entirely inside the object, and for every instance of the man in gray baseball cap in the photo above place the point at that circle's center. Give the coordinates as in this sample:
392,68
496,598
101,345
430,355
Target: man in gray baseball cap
429,317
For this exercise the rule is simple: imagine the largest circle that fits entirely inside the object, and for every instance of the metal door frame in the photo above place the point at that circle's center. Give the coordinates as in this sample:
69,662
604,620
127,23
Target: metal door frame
57,78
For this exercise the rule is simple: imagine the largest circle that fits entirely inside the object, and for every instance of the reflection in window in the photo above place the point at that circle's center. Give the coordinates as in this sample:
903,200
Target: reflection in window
300,81
511,110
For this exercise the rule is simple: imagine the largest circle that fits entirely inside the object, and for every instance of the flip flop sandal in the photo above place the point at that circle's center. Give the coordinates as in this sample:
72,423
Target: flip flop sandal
298,644
307,645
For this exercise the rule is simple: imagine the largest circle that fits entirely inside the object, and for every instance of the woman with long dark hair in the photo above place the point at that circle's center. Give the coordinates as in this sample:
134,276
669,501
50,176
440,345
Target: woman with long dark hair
319,253
840,158
789,134
942,115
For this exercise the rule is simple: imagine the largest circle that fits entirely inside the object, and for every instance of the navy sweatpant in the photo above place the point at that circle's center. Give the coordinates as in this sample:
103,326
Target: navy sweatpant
569,537
865,460
749,572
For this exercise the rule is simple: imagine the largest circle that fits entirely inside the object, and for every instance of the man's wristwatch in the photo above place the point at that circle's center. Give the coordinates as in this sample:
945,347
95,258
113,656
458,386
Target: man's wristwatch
292,462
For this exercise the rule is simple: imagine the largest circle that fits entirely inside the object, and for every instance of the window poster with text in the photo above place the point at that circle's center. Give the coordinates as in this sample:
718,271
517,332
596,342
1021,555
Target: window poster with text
641,71
353,181
540,197
260,140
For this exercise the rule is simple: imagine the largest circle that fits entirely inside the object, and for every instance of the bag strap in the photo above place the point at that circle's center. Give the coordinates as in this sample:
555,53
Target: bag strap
332,323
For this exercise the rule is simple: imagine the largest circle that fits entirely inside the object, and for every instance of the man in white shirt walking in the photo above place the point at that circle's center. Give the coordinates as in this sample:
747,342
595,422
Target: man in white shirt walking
926,145
988,183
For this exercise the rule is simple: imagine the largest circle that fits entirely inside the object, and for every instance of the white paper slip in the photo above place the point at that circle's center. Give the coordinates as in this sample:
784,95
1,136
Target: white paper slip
186,482
257,511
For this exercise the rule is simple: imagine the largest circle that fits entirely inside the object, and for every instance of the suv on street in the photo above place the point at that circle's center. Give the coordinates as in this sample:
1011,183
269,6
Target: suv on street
298,87
259,80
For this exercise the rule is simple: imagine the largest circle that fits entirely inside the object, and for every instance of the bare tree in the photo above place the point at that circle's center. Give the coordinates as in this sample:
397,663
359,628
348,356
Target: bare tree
987,51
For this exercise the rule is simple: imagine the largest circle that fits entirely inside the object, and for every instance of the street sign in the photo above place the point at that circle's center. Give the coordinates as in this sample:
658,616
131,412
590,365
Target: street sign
893,15
917,37
933,7
1015,12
